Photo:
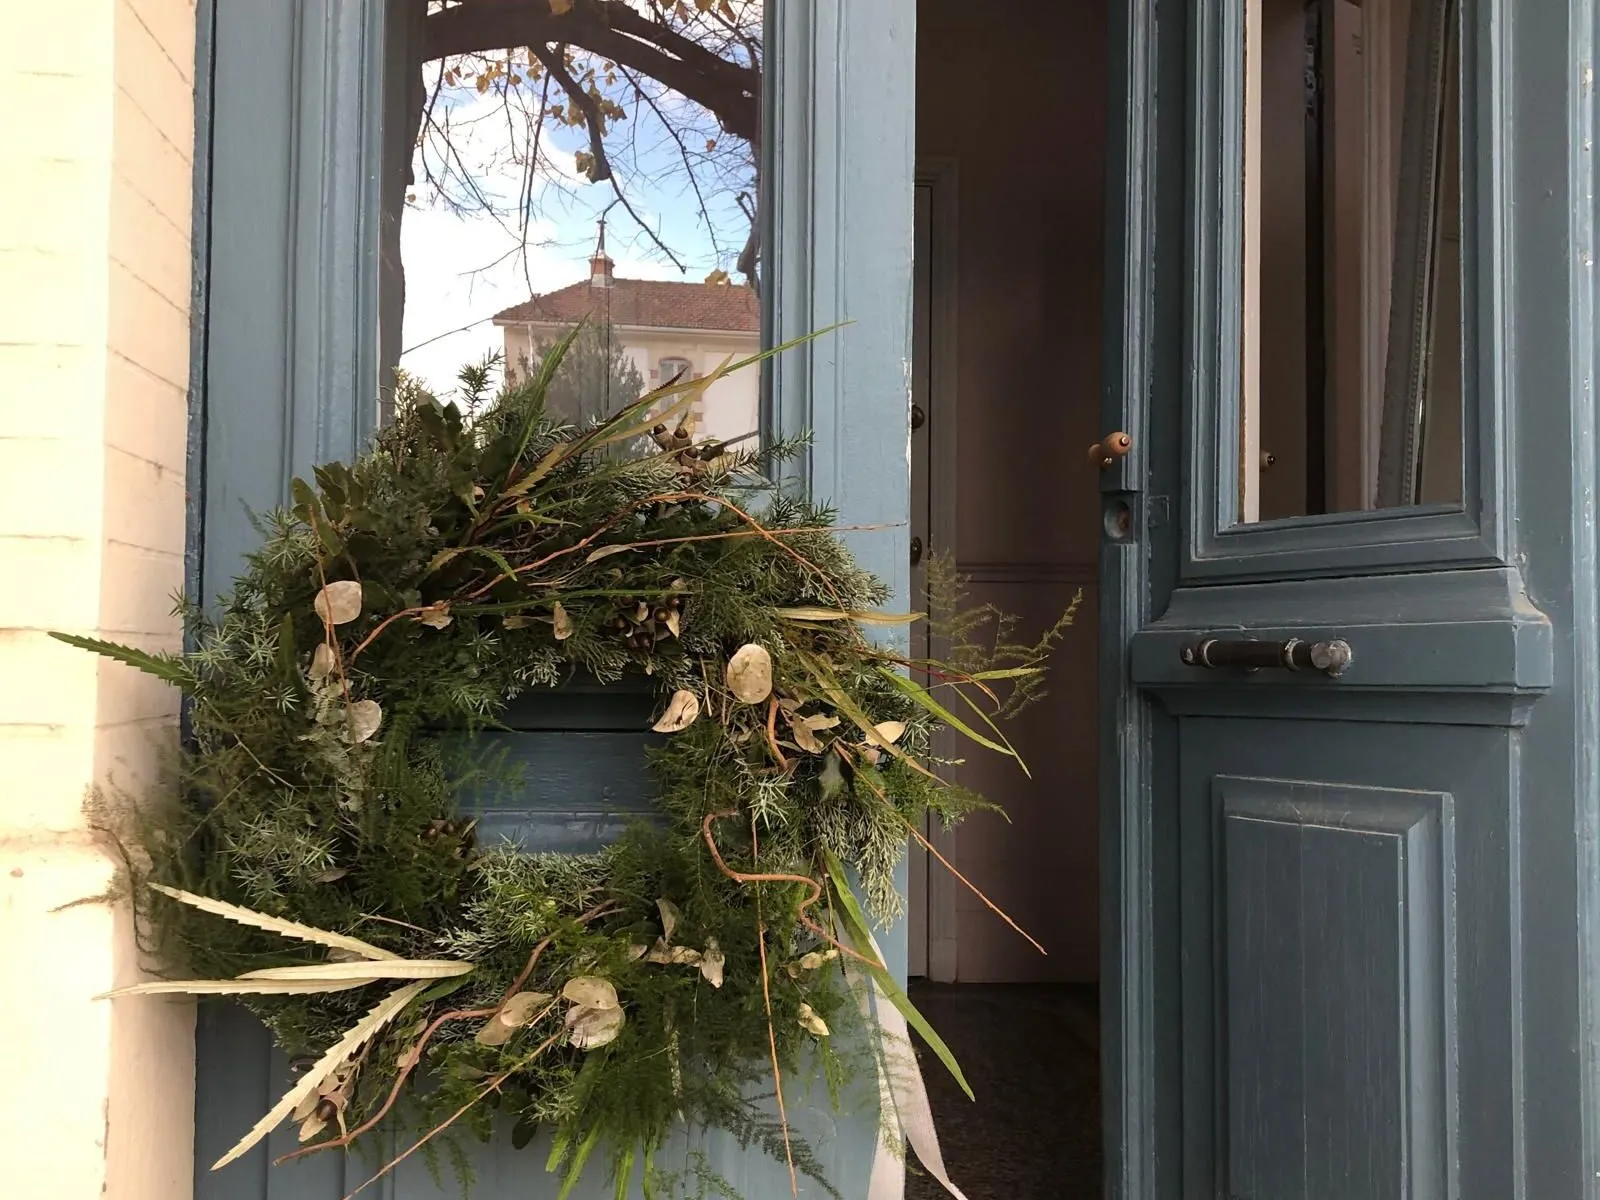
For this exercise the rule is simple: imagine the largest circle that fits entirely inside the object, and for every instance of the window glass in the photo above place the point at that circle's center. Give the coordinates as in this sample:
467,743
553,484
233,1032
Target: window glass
586,164
1352,338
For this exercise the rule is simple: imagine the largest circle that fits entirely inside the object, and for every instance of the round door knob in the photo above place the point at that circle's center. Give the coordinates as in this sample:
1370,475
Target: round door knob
1110,448
918,417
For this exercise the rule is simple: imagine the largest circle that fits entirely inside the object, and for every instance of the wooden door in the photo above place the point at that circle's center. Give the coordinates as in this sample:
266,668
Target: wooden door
1350,944
297,312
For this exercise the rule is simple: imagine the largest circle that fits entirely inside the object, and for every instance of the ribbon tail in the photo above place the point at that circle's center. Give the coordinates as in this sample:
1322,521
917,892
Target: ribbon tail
902,1092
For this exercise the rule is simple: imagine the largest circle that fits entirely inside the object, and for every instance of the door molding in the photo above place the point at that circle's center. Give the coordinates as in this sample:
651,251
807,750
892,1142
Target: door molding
1139,1080
940,176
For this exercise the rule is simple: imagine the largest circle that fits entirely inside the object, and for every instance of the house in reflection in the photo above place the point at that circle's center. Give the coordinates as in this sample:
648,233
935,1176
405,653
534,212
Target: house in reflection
662,329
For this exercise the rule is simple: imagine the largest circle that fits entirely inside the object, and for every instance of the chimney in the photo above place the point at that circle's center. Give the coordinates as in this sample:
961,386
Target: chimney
600,268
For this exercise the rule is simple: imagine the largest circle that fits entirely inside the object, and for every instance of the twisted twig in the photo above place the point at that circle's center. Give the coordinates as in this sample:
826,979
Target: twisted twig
764,877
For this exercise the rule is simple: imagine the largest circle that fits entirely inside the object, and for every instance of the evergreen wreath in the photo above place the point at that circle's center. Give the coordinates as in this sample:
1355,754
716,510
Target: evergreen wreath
314,857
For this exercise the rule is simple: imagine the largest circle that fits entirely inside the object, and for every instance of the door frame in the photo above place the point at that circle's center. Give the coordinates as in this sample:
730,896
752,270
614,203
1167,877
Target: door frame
932,891
287,264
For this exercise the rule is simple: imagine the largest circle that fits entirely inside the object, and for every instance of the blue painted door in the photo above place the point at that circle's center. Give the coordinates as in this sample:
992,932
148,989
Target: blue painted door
308,115
1348,573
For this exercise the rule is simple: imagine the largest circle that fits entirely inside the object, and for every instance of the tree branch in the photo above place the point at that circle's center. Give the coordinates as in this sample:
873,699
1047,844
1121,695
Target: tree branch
555,65
613,30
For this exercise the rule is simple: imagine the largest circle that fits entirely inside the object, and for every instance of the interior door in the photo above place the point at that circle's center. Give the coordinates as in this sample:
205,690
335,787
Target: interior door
1326,730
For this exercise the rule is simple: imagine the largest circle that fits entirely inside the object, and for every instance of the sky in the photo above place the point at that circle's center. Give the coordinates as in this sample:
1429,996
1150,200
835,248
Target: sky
462,268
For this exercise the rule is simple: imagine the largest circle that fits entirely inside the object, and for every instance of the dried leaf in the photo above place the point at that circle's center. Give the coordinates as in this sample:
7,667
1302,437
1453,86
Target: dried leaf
804,738
331,875
682,711
313,1123
636,952
517,1012
518,621
889,731
563,622
672,956
712,963
750,673
669,918
675,623
605,552
590,991
812,1023
821,721
591,1028
362,1031
323,661
361,721
523,1007
436,616
560,7
290,929
339,602
813,959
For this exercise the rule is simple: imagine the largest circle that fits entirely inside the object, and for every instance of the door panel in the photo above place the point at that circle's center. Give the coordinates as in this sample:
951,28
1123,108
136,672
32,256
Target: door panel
1319,914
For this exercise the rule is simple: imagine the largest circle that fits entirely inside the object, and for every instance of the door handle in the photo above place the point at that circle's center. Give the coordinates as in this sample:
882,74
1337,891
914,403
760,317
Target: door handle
1241,654
1110,448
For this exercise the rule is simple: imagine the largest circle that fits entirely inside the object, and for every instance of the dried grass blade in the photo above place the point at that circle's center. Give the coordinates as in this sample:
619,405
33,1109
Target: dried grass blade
861,616
289,929
233,987
381,1014
405,968
919,695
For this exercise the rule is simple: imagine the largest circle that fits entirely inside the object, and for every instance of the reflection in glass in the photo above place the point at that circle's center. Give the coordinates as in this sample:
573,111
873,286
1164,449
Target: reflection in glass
1351,368
591,164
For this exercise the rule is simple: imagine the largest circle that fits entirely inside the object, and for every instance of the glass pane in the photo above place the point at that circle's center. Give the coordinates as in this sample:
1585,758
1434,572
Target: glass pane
584,163
1351,371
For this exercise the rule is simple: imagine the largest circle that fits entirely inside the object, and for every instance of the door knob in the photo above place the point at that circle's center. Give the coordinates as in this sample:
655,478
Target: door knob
916,551
1110,448
918,416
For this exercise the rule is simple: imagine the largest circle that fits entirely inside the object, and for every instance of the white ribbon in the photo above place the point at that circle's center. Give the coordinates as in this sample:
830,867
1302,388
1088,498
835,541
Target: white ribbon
901,1092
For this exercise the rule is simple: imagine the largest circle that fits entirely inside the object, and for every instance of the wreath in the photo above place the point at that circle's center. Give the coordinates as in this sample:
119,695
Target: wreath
315,855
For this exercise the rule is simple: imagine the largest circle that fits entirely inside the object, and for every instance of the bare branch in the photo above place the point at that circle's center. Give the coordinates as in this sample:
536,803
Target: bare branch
616,31
555,66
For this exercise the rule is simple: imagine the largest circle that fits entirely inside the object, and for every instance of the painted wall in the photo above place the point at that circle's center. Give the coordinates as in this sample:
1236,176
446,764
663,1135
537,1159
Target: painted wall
731,405
1023,116
96,1099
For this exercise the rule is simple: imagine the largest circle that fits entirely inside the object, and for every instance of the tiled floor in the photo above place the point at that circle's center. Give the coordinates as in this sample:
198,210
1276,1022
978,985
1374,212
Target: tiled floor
1032,1056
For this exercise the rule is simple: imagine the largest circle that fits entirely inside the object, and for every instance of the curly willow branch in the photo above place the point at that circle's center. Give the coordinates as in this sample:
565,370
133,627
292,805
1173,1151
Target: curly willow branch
763,877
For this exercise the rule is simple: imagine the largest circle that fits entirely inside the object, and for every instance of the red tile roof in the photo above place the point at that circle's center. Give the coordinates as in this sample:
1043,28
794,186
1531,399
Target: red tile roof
649,303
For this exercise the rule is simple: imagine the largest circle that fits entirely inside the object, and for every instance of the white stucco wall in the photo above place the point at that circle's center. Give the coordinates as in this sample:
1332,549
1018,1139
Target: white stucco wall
96,1099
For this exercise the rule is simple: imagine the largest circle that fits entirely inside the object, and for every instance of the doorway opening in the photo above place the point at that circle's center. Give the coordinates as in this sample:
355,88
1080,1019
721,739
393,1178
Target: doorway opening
1009,251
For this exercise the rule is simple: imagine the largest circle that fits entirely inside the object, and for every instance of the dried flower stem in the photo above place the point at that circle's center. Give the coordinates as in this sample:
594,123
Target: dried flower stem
976,891
772,1033
492,1086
